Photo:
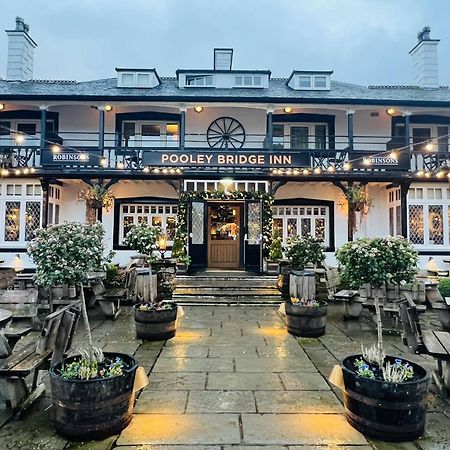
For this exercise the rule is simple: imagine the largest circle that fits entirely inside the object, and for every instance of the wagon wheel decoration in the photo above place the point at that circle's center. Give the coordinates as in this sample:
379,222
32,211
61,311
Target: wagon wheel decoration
225,132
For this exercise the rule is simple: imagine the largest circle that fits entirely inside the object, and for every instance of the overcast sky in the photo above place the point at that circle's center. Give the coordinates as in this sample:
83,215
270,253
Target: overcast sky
363,41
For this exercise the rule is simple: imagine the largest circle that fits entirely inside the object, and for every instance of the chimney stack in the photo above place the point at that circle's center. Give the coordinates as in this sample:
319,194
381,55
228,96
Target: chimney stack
20,52
425,60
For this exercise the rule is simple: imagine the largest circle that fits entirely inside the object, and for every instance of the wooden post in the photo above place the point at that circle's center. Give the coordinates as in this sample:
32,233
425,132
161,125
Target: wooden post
45,184
404,187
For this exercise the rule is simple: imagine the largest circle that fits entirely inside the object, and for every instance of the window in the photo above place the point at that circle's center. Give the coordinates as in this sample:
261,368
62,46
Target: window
161,215
247,81
320,81
199,80
216,185
138,78
20,205
127,79
142,79
394,208
304,82
429,216
298,220
438,135
278,135
309,136
150,134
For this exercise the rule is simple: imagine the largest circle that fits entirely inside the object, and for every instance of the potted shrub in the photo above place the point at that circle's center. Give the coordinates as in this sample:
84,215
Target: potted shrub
443,308
275,253
92,393
384,396
305,316
154,320
179,252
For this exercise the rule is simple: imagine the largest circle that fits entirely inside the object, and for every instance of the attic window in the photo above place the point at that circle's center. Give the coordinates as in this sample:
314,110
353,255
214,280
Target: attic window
248,81
137,78
320,81
142,79
304,82
199,80
313,82
127,79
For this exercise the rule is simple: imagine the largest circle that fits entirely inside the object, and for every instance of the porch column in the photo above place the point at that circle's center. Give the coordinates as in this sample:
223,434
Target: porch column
43,109
406,115
182,127
270,129
350,129
45,194
404,187
101,130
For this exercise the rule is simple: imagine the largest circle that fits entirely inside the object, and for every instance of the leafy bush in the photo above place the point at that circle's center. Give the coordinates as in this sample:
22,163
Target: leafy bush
377,261
276,249
115,276
143,238
65,253
305,250
444,287
179,248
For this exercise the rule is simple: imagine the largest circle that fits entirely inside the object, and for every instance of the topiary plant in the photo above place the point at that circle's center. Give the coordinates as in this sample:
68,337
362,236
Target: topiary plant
276,249
179,248
444,287
143,238
304,250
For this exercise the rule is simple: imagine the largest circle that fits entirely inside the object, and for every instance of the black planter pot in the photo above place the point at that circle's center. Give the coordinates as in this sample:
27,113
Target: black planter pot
306,321
393,412
155,325
93,409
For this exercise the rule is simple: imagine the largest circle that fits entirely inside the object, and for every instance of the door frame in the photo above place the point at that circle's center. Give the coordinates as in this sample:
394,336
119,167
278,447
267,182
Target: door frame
241,205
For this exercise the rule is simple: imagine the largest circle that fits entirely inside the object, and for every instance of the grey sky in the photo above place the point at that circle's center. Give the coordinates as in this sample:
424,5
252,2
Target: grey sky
363,41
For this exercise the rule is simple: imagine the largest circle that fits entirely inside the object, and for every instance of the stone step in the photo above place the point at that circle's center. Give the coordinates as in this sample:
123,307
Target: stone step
219,292
225,282
205,300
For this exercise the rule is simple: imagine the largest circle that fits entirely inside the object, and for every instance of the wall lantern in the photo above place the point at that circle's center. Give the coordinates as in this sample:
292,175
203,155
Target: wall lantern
288,110
19,138
162,244
198,109
429,147
390,111
108,108
2,106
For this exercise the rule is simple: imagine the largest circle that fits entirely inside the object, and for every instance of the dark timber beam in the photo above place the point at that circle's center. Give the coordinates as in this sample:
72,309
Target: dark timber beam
404,188
45,185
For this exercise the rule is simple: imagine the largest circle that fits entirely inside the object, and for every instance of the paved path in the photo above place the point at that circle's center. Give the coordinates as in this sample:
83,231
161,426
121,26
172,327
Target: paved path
234,379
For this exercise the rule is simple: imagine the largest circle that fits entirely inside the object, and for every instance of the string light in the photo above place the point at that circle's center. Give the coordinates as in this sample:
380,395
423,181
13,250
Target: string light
367,162
55,148
317,170
429,146
146,169
17,172
103,162
393,154
4,172
440,174
32,169
120,165
428,174
420,173
305,172
331,169
347,166
19,138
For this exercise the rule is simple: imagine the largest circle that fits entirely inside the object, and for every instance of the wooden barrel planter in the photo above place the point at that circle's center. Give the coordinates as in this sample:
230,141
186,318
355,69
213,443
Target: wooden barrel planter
155,325
383,410
93,409
306,321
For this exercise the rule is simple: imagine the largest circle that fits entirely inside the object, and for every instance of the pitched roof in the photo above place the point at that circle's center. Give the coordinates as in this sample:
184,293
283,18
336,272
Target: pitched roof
277,92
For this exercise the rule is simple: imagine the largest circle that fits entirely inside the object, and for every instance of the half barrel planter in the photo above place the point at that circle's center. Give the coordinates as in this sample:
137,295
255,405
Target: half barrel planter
93,409
155,325
306,321
393,412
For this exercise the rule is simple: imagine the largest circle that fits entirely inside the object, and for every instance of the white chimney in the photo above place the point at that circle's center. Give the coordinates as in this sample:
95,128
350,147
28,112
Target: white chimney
223,58
425,60
20,52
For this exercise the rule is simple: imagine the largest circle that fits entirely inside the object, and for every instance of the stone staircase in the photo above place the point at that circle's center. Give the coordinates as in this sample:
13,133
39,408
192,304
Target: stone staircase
226,287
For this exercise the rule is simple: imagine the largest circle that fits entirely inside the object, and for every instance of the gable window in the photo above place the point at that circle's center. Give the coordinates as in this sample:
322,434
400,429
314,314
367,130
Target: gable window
320,81
304,81
247,80
128,79
199,80
139,78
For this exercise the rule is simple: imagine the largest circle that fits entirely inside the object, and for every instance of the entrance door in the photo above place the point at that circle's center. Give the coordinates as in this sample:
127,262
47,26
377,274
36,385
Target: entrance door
224,238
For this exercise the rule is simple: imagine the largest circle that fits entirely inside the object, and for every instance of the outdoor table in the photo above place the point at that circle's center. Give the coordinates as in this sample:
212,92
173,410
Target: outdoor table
5,319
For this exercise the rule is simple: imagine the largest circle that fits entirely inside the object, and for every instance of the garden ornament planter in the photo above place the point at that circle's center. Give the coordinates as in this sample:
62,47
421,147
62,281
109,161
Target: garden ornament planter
155,324
306,321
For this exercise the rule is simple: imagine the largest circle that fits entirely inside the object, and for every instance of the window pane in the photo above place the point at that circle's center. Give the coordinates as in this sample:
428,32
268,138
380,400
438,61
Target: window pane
278,226
299,138
278,135
12,221
129,131
56,214
304,81
142,219
391,221
128,222
291,227
416,224
306,226
238,81
398,219
143,79
321,137
32,219
257,81
171,225
320,82
320,228
4,129
248,81
157,221
198,214
442,133
436,224
127,79
152,129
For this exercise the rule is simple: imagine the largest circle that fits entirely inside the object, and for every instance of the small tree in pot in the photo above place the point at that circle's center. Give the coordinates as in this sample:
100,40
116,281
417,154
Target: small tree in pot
305,315
92,392
154,320
385,396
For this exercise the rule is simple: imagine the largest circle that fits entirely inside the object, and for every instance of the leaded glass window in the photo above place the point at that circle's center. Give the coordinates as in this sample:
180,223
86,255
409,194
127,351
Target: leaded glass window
198,223
12,221
32,219
436,224
416,232
254,223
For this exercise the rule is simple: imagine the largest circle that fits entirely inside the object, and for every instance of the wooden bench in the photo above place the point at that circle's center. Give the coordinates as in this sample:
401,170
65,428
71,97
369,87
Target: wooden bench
427,342
22,303
53,343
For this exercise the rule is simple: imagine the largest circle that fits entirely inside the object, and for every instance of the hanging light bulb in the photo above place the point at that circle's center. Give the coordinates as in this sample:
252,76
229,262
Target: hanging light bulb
56,148
4,172
17,172
393,154
120,165
103,162
317,170
420,173
429,147
146,169
331,169
347,166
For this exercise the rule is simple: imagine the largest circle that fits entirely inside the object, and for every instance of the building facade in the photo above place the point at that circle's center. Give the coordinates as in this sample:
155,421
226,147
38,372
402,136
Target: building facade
221,152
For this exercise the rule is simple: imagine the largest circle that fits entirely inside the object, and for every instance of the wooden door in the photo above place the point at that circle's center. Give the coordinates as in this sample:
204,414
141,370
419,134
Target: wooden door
224,223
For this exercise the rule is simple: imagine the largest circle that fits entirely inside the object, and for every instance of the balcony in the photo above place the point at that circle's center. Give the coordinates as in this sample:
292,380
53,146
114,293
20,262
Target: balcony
89,152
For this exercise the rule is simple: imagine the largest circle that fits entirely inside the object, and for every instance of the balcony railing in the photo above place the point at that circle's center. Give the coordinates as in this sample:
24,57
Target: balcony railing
84,151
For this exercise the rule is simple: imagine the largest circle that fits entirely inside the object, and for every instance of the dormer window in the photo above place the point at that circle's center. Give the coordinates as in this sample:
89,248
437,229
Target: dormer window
199,80
310,80
137,78
248,81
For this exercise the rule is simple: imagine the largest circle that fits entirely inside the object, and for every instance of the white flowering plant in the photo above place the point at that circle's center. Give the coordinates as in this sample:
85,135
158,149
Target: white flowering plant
143,238
378,261
304,250
65,253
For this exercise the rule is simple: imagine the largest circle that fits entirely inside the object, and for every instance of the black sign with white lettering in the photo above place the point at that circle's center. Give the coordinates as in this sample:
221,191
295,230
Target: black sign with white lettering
69,157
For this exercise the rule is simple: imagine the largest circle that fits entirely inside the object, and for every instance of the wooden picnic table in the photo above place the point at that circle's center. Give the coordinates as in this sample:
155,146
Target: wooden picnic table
5,318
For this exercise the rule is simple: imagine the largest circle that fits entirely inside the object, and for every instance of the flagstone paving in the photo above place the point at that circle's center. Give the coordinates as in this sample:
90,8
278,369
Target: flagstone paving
234,379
